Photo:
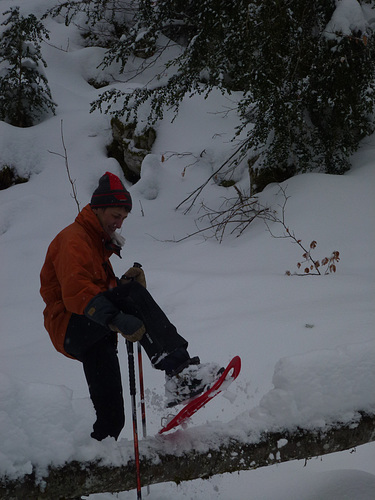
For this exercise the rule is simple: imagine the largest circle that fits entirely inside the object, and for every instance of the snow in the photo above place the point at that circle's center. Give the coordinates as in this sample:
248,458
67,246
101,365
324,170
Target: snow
348,17
307,343
152,177
312,389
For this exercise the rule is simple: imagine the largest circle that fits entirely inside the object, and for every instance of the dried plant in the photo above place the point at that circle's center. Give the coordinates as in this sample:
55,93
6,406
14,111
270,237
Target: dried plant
309,265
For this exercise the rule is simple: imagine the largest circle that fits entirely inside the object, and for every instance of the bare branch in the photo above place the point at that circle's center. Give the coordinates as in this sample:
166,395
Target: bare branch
65,156
194,195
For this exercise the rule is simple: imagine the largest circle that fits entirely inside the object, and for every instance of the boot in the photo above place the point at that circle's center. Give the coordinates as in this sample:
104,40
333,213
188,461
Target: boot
190,381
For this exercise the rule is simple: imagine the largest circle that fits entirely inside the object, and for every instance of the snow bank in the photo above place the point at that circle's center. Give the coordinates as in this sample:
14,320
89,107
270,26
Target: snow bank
41,425
312,391
316,389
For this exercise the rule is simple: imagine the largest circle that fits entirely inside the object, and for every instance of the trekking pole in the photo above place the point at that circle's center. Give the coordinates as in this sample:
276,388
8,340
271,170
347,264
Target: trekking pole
142,394
140,374
132,387
141,385
142,390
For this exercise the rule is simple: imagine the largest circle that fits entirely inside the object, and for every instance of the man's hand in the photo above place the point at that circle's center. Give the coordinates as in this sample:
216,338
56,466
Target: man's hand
136,274
130,327
102,311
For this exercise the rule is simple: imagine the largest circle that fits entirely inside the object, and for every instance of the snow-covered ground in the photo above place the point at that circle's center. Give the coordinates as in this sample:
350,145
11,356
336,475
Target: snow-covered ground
307,343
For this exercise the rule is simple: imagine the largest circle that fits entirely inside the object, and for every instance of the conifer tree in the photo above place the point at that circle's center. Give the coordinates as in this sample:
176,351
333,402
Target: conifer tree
307,94
310,94
25,96
314,90
105,20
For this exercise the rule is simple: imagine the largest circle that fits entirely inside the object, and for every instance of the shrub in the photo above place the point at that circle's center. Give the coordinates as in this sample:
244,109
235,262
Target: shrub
24,92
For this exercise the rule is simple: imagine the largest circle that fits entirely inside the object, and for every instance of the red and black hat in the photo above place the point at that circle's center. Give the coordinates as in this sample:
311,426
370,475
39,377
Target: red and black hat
111,193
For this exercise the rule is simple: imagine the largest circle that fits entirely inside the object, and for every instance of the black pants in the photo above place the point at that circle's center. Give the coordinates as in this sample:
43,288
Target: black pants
96,347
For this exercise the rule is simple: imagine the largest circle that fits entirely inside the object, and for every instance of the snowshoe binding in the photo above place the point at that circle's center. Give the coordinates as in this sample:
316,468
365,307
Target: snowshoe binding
190,381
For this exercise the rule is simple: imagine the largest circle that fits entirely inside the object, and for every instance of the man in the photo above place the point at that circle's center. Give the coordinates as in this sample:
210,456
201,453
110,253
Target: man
86,306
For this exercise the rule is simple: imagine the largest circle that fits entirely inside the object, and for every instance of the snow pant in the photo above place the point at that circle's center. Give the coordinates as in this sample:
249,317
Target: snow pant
96,347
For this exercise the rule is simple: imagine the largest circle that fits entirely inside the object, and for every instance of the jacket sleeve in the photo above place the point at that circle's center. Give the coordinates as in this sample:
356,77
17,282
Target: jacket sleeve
75,268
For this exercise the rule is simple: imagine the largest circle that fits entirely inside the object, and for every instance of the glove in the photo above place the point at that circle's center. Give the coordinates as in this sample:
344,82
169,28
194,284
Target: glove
101,310
134,273
129,326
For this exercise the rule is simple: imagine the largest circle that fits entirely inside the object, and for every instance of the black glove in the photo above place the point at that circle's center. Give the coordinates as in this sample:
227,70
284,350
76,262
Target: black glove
129,326
103,311
136,274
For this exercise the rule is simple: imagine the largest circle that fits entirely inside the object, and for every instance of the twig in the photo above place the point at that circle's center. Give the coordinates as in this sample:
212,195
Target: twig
194,195
235,213
241,213
142,211
65,156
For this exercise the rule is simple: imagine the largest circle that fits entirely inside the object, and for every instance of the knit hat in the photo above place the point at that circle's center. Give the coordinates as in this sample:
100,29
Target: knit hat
111,193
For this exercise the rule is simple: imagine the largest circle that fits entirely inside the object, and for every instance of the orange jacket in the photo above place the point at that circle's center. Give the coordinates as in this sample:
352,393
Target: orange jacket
76,268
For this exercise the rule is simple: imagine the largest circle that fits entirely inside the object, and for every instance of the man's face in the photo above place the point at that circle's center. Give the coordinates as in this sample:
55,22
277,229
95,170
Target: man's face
111,218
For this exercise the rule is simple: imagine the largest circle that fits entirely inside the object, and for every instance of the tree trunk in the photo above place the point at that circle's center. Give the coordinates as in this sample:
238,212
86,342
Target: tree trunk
76,478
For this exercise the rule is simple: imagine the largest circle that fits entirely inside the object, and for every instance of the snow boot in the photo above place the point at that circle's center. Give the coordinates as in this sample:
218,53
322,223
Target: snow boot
190,381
